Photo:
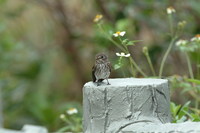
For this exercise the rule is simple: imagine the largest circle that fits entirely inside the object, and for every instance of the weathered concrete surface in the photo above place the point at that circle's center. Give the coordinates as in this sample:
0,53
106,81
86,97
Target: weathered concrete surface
186,127
111,108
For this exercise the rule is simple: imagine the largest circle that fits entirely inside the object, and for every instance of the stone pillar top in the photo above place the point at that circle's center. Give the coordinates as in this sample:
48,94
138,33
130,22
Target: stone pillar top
130,82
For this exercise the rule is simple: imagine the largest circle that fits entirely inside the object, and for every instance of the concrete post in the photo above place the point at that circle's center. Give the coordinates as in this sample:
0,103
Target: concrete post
130,105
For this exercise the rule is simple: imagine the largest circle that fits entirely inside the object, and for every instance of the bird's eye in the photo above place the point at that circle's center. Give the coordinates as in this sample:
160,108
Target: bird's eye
101,56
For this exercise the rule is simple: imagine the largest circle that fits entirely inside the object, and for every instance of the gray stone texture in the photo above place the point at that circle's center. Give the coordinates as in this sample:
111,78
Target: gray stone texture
126,102
185,127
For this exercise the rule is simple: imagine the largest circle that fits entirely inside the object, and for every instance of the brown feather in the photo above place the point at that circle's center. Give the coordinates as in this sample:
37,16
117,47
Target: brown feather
93,76
109,64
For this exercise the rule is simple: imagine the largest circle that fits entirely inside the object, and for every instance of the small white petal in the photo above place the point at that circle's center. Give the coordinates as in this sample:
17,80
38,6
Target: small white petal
75,111
181,42
122,54
122,33
127,55
169,11
118,54
115,35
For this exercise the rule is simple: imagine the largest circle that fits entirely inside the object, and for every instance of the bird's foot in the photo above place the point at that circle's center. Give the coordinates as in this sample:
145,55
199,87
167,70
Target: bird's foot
107,82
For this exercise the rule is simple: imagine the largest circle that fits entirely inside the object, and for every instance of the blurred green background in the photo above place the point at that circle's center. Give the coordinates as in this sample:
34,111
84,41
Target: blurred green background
47,50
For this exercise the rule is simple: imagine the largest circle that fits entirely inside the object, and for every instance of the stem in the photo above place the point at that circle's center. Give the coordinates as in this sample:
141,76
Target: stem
119,46
135,64
165,56
132,68
127,51
150,64
173,36
120,62
137,67
124,46
198,60
189,66
66,120
171,25
123,73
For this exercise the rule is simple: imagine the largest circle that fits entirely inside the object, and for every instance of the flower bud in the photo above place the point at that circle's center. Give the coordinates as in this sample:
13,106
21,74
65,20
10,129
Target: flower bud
145,50
182,24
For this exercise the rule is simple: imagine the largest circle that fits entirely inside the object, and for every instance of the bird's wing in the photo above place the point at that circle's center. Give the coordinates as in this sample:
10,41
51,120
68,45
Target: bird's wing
110,66
93,75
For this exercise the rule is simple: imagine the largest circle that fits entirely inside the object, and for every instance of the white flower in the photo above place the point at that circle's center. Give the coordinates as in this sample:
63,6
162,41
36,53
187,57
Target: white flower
196,38
170,10
62,116
123,54
97,18
119,33
72,111
181,42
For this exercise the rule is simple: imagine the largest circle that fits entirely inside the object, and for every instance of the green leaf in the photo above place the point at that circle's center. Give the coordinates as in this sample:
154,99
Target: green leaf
117,66
64,129
125,41
174,109
182,119
130,43
137,41
184,109
196,81
133,42
195,117
179,112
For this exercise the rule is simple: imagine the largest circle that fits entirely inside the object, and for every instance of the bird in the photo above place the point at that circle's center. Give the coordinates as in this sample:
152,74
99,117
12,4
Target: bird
101,69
